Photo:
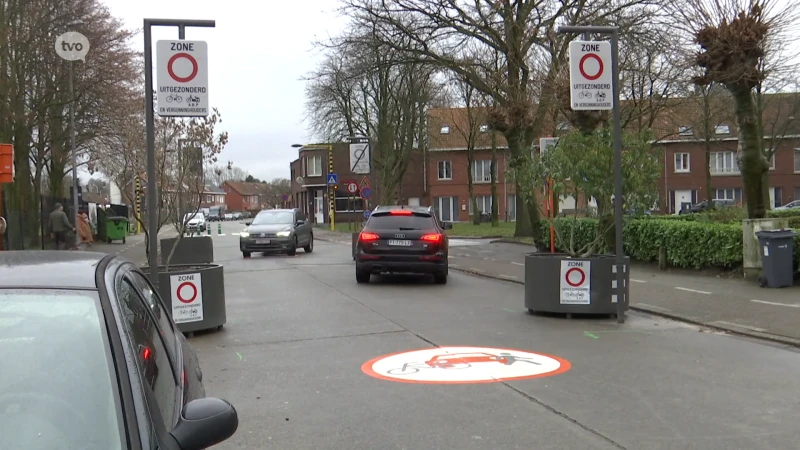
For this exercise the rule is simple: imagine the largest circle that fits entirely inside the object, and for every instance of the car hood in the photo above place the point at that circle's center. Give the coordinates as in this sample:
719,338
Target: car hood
268,228
195,221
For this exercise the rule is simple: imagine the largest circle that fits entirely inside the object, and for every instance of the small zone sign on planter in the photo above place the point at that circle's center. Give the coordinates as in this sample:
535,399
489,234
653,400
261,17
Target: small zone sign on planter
575,282
187,297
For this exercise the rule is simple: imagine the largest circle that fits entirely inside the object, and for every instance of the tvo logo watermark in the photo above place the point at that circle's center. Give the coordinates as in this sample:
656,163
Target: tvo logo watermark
72,46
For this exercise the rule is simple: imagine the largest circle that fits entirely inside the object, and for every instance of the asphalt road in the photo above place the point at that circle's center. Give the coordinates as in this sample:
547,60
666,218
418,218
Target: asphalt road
292,360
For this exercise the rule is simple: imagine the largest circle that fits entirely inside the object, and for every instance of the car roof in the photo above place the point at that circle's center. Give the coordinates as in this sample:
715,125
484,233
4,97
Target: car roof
277,210
421,209
49,269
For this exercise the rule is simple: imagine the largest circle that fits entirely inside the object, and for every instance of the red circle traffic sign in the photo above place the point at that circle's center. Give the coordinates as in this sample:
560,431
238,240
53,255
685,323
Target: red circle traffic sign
194,292
570,272
191,59
352,187
595,57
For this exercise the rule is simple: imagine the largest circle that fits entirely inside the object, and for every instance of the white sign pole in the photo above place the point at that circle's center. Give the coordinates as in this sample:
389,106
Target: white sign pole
590,76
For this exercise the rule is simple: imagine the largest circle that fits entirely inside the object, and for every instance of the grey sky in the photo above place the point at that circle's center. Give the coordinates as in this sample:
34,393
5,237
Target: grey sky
257,54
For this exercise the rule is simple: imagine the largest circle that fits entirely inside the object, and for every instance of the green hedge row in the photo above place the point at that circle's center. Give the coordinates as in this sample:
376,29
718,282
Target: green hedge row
689,243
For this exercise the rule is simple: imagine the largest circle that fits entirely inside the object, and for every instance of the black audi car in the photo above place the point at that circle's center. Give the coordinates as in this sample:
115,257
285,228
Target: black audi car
91,360
402,239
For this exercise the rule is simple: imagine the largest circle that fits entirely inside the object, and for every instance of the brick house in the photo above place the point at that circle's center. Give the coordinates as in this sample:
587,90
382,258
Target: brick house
241,196
309,188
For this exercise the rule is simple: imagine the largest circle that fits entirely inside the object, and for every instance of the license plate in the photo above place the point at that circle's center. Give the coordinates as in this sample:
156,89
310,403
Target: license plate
262,241
400,243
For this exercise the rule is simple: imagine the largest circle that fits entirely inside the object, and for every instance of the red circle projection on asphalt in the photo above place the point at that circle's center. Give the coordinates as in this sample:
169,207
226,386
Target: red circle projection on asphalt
464,365
587,57
570,272
172,73
180,289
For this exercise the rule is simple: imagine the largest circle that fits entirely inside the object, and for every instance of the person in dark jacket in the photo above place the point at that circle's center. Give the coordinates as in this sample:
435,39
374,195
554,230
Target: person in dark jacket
59,225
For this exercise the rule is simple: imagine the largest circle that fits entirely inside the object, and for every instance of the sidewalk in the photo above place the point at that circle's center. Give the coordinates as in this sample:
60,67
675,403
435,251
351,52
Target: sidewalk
733,305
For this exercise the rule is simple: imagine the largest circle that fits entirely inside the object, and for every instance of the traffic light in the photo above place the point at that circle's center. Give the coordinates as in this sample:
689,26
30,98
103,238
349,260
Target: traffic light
335,187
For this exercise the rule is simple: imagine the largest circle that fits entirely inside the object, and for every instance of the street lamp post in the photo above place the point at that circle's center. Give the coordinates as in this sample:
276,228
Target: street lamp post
72,138
331,195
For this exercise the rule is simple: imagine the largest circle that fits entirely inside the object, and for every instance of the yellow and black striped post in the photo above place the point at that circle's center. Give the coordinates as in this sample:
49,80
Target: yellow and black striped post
138,206
331,192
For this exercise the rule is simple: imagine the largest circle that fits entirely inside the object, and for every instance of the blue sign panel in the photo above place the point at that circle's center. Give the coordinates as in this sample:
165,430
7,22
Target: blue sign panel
333,178
367,213
366,193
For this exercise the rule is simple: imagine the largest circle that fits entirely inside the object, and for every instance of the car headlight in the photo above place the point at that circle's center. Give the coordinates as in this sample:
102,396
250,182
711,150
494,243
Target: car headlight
283,233
244,234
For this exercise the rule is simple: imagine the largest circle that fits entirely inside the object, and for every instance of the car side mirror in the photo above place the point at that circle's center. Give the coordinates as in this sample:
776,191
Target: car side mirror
447,225
300,222
205,422
248,223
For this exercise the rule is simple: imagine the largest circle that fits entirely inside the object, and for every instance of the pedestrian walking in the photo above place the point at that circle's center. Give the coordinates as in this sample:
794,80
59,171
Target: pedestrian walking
85,230
59,225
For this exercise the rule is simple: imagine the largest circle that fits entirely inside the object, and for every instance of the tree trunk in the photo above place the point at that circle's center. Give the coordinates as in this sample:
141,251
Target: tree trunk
495,220
527,212
752,163
476,215
707,160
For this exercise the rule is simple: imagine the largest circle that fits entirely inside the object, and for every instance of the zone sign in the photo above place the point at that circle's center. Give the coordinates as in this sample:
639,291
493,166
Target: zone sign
590,76
182,78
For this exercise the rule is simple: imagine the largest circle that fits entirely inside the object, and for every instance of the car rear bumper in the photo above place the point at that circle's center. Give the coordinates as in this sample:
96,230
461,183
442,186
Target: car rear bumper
274,245
433,264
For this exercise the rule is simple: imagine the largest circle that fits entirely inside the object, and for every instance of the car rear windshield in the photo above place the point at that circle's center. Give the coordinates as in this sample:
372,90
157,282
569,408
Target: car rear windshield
385,221
56,379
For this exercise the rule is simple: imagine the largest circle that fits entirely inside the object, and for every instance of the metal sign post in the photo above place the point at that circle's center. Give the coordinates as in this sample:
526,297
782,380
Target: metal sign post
597,50
151,193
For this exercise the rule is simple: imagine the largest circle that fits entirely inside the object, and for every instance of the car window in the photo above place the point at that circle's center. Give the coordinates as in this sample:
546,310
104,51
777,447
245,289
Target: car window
157,308
152,357
274,218
57,377
394,222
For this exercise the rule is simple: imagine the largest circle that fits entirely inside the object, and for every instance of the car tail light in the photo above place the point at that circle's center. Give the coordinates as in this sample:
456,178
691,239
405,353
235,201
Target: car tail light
366,237
401,212
436,238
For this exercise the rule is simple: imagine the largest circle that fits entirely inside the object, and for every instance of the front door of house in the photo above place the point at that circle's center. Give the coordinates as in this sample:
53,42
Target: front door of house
319,207
681,197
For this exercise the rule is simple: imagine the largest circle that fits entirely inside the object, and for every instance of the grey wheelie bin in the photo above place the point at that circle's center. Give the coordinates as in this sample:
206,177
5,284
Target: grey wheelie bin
777,248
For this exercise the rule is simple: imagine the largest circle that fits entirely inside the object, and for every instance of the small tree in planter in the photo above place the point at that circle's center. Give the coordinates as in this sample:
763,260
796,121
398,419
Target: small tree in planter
581,166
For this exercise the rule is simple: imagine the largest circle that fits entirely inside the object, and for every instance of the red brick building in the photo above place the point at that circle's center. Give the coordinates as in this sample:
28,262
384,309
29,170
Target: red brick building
241,196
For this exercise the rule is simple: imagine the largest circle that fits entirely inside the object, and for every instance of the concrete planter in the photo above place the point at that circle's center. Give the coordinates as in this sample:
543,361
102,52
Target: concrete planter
558,283
191,308
190,250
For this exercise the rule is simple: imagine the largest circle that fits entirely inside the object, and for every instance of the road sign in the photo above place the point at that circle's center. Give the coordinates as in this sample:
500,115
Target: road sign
187,297
359,157
333,178
464,365
547,143
284,197
366,193
365,183
590,76
351,186
575,282
182,69
367,213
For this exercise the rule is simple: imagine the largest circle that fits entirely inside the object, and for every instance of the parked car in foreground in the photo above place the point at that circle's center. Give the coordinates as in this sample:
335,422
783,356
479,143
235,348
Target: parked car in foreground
277,230
91,360
403,239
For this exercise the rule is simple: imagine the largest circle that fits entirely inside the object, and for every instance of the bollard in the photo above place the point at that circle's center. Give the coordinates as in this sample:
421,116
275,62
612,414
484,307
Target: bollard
208,230
219,228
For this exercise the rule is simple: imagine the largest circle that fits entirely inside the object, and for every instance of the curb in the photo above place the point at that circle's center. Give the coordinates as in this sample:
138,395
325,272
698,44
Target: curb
475,237
511,241
785,340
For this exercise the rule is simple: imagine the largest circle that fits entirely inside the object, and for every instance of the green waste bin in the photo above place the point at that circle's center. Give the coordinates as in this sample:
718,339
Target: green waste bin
116,228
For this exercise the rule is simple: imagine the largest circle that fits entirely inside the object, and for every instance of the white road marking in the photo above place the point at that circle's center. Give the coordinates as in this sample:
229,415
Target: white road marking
776,303
638,281
517,264
692,290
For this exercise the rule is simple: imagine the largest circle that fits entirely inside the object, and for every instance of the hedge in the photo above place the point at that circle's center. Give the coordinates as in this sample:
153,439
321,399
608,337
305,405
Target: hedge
690,243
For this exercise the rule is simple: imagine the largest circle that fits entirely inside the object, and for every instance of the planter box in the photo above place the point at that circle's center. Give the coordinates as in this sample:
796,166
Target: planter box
194,295
191,250
558,283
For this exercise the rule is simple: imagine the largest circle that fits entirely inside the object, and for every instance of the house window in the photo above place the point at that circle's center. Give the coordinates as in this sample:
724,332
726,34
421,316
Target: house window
722,129
771,160
482,171
726,163
727,194
484,128
685,131
682,163
346,202
511,208
209,198
484,204
797,160
444,130
313,166
445,170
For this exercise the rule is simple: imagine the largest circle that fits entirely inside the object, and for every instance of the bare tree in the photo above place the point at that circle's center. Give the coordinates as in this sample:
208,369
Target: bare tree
217,174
